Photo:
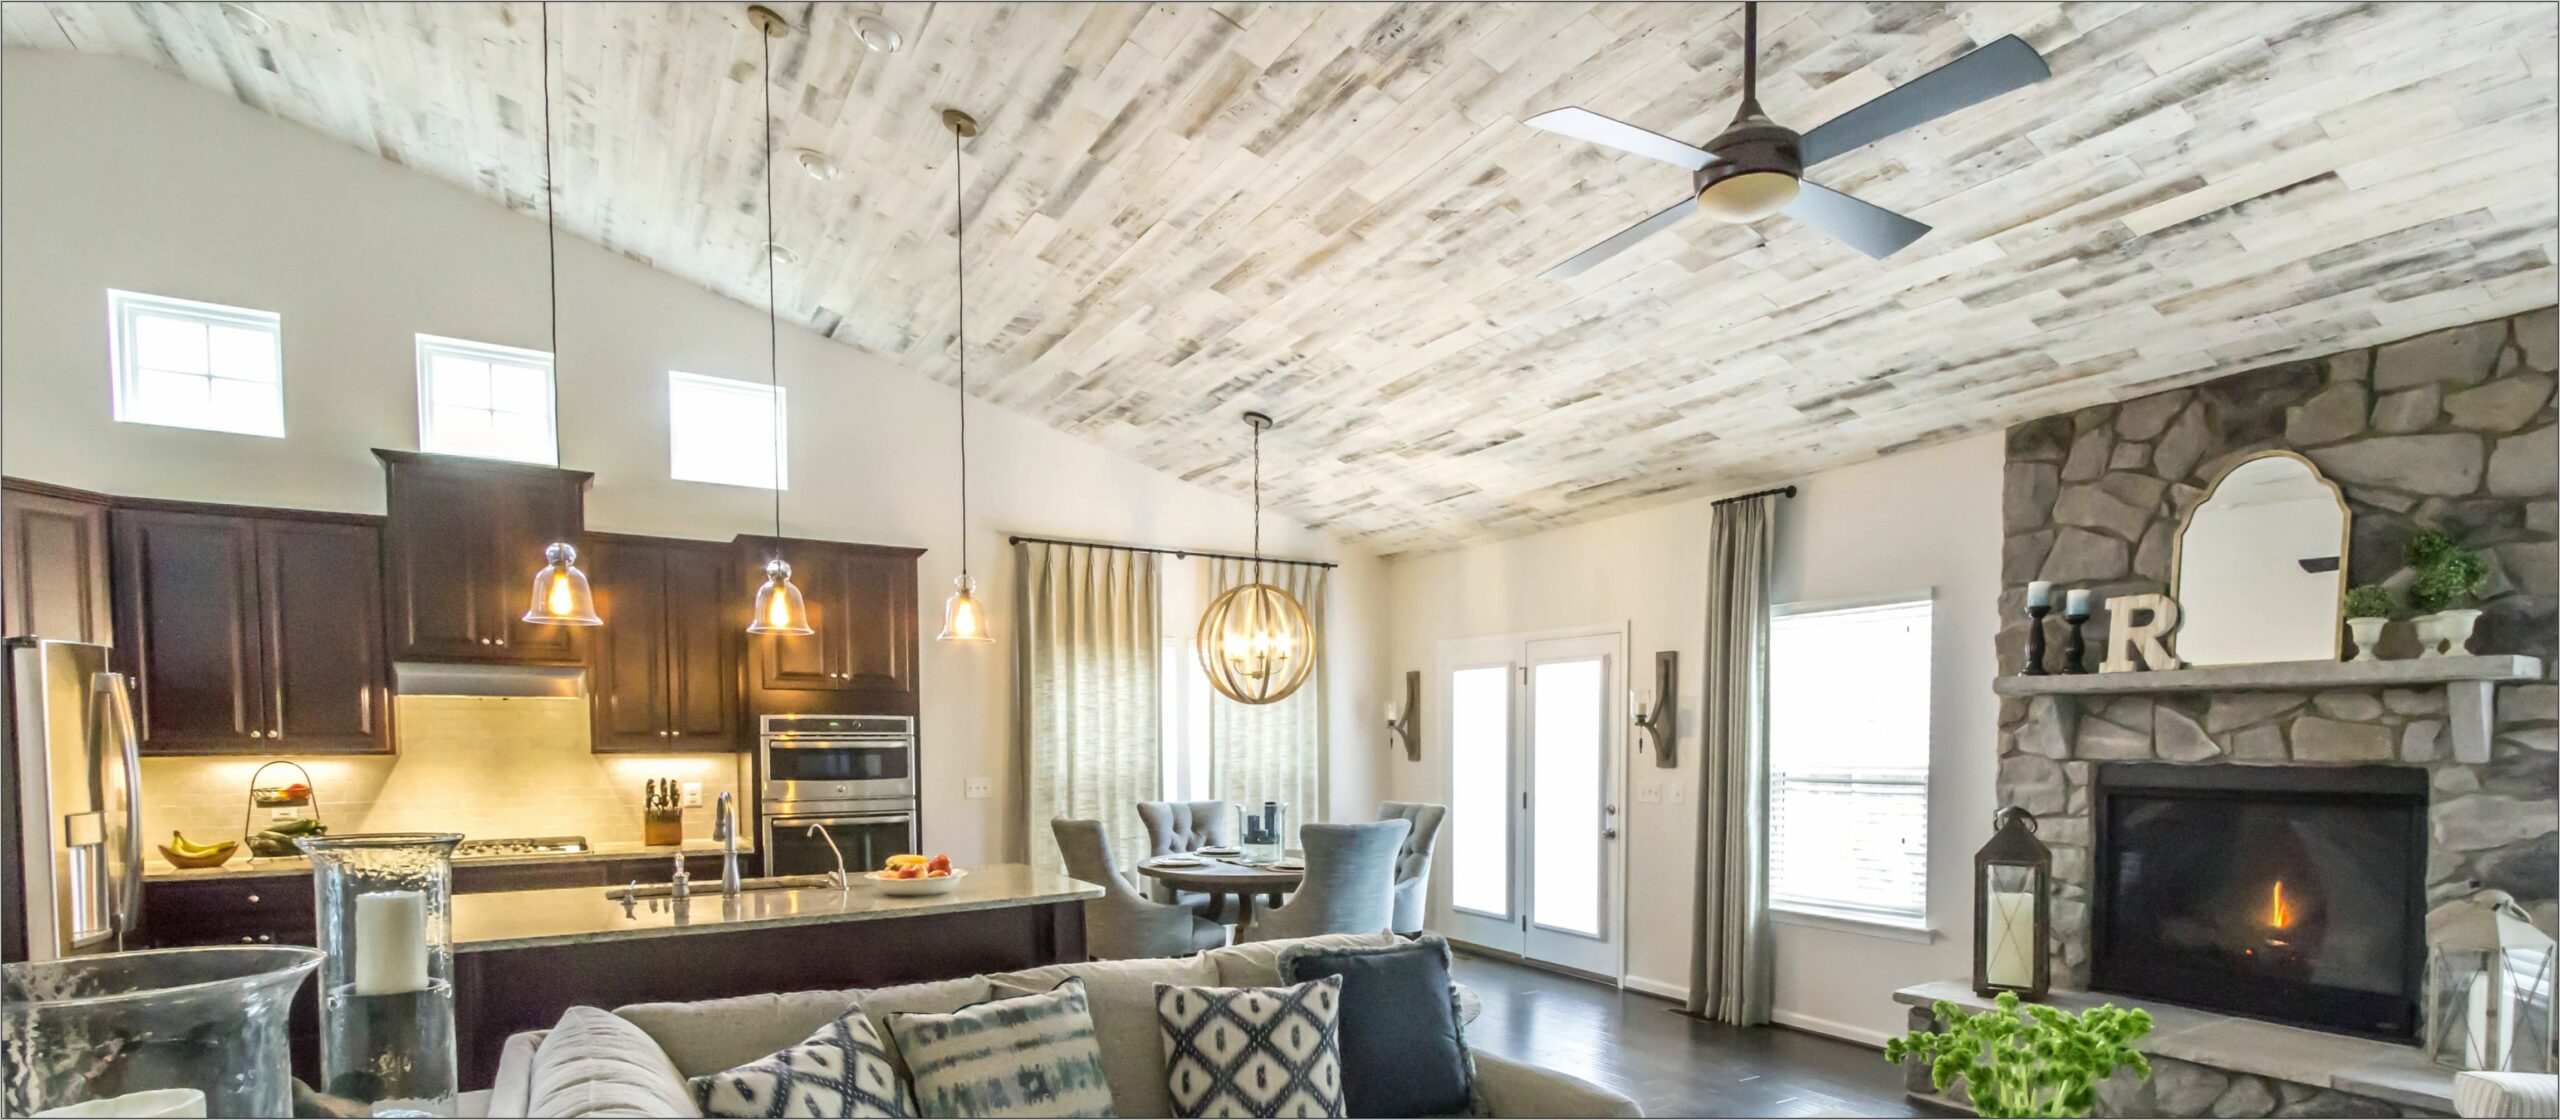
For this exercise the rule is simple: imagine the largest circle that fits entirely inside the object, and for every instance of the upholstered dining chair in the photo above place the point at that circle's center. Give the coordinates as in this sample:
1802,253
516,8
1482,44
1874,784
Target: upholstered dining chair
1413,859
1180,828
1349,885
1123,924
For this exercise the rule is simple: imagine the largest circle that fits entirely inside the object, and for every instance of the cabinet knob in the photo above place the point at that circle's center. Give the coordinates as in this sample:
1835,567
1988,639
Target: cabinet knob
502,641
253,900
662,734
677,734
257,734
264,938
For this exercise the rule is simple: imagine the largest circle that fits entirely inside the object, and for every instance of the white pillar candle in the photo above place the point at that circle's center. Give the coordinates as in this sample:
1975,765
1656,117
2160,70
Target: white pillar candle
2075,601
391,943
2040,593
2009,956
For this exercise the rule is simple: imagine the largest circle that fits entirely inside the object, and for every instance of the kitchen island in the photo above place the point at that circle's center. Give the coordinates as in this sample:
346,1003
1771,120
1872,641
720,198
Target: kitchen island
524,957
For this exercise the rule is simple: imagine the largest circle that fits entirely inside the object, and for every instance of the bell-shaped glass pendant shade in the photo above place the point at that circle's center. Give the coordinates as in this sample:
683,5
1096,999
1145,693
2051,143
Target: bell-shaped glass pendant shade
560,593
963,620
779,609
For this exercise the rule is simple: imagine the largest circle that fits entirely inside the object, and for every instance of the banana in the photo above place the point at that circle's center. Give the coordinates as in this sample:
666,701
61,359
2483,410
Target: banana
180,844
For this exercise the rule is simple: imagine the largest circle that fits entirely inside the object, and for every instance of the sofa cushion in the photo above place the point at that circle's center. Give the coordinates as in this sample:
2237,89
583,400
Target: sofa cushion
1256,964
716,1034
1123,995
840,1071
595,1063
1403,1053
1252,1051
1030,1055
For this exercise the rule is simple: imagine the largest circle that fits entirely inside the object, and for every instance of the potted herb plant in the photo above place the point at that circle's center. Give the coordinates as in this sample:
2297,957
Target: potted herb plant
2448,581
2027,1060
2369,609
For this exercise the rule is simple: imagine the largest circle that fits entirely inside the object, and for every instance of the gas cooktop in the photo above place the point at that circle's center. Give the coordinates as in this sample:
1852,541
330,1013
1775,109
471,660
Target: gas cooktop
521,846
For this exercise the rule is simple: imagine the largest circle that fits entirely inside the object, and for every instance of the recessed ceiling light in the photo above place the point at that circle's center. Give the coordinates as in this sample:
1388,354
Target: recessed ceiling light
816,164
782,254
877,33
246,19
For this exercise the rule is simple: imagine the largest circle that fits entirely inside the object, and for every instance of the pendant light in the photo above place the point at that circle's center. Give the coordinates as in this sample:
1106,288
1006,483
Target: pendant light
963,620
561,596
1256,642
779,608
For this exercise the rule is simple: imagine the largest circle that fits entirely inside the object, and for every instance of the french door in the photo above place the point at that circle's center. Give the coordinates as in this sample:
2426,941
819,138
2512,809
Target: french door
1534,747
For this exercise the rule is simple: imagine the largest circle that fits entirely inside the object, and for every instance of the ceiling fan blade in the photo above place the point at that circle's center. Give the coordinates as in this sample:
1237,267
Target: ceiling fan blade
2005,64
1583,124
1865,226
1578,263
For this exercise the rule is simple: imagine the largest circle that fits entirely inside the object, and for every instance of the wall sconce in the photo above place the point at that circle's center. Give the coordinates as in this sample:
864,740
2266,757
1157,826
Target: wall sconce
1402,725
1661,718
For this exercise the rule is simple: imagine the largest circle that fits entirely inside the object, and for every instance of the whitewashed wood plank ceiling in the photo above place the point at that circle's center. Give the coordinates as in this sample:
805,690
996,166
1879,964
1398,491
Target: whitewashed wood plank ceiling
1331,212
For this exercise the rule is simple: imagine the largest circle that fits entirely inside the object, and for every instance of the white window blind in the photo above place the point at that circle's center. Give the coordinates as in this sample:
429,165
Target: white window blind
731,432
492,402
1849,762
186,364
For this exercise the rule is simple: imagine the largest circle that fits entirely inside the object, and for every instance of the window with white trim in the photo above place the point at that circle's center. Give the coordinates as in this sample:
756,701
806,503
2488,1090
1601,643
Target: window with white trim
734,433
185,364
490,402
1849,762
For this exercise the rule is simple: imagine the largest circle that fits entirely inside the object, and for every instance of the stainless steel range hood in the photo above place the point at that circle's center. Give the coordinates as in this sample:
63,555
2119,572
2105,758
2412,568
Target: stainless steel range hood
436,678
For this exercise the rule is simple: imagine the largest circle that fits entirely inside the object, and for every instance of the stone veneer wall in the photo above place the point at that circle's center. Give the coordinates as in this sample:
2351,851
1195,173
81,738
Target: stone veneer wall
2452,430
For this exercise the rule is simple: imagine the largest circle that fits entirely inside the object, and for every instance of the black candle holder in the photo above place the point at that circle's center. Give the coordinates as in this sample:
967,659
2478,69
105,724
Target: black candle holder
2035,639
2075,648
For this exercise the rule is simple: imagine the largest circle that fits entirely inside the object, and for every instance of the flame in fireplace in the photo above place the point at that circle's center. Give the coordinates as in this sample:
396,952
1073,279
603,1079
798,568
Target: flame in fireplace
2279,915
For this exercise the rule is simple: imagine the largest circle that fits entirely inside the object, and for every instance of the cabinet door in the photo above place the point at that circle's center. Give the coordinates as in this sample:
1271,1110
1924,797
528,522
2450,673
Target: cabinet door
54,568
186,590
439,527
525,517
876,623
626,658
320,595
703,636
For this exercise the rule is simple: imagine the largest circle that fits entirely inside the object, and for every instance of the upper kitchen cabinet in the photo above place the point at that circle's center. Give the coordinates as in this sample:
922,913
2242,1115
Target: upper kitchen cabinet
662,672
862,603
465,538
53,575
252,632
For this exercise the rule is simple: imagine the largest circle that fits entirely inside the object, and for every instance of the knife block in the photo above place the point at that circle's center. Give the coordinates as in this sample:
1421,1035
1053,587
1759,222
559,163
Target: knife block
662,828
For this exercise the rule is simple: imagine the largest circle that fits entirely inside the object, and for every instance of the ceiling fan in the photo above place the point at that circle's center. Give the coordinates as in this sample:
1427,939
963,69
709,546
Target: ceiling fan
1755,167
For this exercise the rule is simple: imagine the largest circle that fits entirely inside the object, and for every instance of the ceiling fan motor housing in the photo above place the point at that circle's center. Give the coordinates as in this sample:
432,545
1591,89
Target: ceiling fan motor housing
1754,145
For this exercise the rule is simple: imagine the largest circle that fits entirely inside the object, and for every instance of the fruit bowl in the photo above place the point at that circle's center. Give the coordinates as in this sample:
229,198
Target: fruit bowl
213,855
915,888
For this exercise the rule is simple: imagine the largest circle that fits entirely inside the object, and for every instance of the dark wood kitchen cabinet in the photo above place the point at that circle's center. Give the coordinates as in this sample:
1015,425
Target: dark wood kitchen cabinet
252,634
862,603
53,563
662,672
465,538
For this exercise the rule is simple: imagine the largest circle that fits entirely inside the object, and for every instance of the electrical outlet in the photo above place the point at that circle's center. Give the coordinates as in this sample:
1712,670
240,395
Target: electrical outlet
979,789
1649,791
693,795
284,814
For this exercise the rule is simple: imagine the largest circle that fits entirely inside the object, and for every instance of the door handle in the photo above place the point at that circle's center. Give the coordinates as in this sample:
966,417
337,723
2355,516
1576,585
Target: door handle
1608,834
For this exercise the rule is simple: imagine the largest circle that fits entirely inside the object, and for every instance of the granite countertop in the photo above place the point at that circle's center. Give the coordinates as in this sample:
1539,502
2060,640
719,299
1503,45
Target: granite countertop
243,866
580,915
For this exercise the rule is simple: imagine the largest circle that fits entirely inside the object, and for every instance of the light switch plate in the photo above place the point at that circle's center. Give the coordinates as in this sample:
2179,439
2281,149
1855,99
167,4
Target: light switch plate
979,789
693,795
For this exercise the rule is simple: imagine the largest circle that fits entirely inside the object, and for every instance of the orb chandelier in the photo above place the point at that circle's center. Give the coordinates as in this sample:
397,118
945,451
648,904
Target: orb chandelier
1256,642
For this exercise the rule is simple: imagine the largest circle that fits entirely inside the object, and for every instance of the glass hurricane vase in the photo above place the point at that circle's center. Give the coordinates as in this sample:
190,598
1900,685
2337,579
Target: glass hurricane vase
199,1031
385,908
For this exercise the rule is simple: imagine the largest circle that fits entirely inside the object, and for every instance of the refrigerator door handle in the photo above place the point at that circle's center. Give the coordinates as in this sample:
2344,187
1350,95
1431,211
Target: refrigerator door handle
120,736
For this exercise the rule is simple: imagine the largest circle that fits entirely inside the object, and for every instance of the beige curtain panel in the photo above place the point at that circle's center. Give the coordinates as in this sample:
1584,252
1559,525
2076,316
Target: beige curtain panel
1088,684
1730,972
1272,752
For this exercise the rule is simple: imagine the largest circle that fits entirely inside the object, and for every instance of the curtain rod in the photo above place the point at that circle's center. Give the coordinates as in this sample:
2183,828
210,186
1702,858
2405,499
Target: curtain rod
1171,551
1781,491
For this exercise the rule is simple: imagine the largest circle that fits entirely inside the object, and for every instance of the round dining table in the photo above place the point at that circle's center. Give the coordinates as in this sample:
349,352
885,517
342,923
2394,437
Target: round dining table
1219,877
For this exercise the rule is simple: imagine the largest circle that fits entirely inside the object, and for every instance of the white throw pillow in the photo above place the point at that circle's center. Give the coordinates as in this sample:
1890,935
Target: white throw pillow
842,1071
597,1064
1253,1052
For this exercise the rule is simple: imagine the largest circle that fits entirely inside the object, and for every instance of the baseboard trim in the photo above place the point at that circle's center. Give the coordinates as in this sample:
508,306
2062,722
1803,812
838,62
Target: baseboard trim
1676,993
1829,1028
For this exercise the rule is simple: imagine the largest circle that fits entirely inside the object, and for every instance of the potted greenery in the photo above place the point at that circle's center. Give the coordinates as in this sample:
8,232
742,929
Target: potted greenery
2449,579
2027,1060
2369,609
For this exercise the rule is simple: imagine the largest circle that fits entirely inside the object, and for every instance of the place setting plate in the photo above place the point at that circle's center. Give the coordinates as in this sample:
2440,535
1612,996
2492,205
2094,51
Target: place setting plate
1177,861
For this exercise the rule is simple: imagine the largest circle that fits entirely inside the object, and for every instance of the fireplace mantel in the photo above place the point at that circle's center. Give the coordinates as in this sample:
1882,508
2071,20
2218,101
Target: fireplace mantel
2467,681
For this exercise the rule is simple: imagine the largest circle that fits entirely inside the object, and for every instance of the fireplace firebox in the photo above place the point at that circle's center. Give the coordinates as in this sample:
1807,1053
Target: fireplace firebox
2291,894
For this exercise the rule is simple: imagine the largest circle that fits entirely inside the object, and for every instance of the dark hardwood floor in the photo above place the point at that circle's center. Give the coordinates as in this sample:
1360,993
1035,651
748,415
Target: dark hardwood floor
1671,1064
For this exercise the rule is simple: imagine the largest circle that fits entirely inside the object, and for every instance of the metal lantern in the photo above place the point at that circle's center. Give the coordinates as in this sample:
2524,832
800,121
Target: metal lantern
2489,989
2012,909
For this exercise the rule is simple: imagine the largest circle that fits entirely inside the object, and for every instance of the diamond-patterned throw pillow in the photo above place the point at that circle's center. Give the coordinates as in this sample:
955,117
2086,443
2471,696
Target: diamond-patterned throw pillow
1258,1052
841,1071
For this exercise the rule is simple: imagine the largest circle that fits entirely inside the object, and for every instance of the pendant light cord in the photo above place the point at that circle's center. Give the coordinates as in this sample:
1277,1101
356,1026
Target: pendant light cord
960,274
772,329
1257,501
550,217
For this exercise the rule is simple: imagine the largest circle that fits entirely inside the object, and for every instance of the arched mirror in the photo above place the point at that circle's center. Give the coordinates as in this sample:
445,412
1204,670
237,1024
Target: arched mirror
2262,566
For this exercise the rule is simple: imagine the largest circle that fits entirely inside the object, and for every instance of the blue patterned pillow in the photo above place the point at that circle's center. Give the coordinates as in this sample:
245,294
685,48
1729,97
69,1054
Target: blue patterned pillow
841,1071
1259,1052
1031,1055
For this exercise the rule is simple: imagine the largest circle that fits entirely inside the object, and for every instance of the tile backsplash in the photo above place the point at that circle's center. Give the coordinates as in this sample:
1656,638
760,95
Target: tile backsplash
485,767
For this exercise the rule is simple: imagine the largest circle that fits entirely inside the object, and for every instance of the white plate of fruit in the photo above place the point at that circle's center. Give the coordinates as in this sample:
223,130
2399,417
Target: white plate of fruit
913,875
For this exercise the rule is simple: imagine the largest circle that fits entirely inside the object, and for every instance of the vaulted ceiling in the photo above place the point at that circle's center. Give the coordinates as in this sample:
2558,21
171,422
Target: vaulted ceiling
1331,212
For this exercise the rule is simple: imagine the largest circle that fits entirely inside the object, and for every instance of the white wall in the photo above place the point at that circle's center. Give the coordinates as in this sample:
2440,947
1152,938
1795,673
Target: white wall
1923,519
118,176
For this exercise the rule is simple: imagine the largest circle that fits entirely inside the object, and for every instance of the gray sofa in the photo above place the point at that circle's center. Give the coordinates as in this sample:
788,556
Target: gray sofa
586,1079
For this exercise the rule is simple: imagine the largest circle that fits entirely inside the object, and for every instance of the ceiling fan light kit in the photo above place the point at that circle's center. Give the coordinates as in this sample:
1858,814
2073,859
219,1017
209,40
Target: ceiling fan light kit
1757,172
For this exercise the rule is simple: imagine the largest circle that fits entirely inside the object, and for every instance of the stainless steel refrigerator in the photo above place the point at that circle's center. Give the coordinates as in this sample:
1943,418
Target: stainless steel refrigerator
74,812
